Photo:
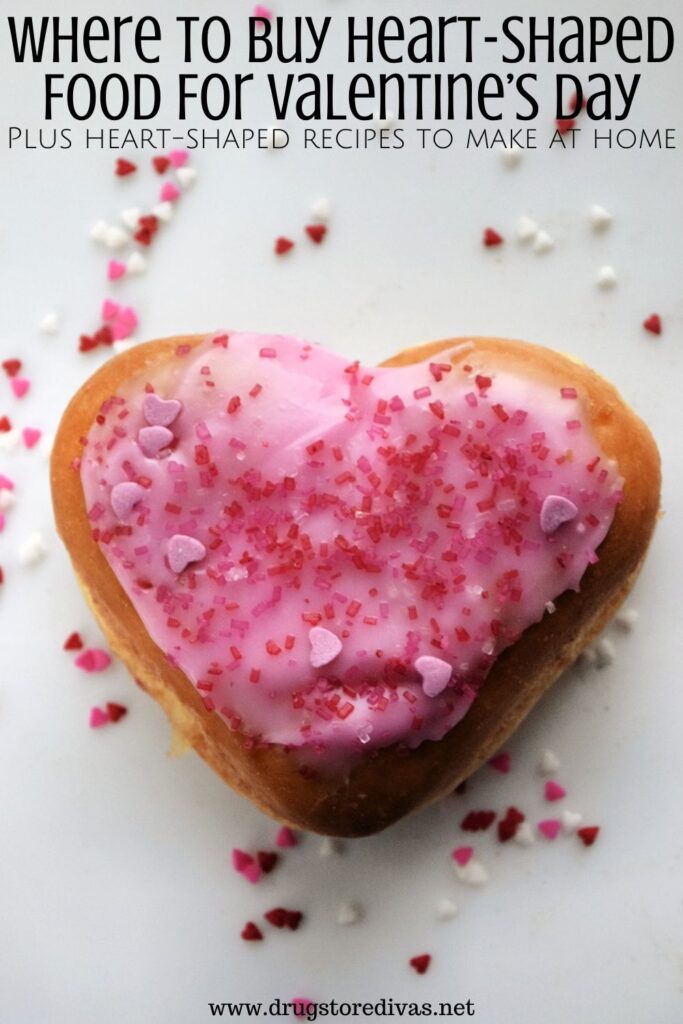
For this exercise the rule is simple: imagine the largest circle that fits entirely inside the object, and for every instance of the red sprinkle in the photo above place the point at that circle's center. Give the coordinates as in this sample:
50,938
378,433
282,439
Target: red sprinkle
251,933
501,762
13,366
161,164
477,821
5,424
492,237
125,167
507,827
267,860
565,124
279,917
116,711
283,245
420,963
73,642
588,834
653,324
316,232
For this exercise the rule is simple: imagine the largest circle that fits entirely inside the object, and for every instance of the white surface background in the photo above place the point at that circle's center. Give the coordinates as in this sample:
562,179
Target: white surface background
117,901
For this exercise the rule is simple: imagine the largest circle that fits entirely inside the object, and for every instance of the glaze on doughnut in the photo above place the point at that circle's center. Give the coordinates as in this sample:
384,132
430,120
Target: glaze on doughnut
336,556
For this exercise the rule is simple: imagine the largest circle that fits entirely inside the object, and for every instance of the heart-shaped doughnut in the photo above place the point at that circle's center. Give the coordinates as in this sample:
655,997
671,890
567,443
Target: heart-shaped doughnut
348,585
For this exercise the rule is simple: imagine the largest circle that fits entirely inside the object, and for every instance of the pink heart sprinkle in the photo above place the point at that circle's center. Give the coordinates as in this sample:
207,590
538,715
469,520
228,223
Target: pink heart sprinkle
435,674
93,659
286,838
153,440
115,269
2,521
325,646
553,790
550,827
98,718
109,309
169,192
31,436
301,1006
5,483
178,157
19,386
252,872
262,12
501,762
124,497
555,511
182,550
462,855
160,412
124,323
241,859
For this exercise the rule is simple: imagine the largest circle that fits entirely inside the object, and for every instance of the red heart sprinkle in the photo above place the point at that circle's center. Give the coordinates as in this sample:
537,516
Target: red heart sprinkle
11,367
103,336
5,424
2,575
267,860
588,834
281,918
283,245
124,167
316,232
73,642
250,932
477,821
565,124
149,221
492,237
86,343
116,711
161,164
144,236
421,963
653,324
507,828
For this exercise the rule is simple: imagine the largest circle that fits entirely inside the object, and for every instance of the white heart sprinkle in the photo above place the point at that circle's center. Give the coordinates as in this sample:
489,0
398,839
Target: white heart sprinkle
446,910
115,237
524,836
549,763
186,176
9,440
527,229
543,243
98,232
571,820
627,618
321,211
164,212
473,873
349,913
600,218
33,550
49,324
511,158
131,217
605,652
330,847
136,263
606,277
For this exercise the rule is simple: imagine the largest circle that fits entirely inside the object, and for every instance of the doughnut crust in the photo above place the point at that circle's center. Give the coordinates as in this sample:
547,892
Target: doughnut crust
390,782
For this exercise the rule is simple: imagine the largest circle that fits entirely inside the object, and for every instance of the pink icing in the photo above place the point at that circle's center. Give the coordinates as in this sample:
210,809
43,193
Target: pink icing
397,509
